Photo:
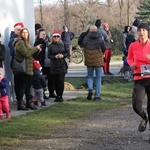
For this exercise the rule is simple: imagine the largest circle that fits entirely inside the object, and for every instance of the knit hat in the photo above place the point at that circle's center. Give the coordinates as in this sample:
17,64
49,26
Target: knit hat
98,23
2,72
37,26
144,26
136,22
56,32
18,25
64,27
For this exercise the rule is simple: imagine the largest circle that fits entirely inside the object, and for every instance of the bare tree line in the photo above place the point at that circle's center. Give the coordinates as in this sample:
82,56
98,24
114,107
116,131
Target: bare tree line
78,15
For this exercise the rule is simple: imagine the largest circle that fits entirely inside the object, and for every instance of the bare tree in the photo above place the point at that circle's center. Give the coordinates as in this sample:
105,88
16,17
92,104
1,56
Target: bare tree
121,9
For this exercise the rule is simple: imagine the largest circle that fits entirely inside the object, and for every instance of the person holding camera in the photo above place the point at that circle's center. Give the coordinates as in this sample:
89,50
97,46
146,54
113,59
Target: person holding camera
45,62
24,50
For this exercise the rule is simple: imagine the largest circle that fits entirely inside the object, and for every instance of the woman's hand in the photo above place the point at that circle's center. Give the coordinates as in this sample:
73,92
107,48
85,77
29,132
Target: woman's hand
59,56
132,67
39,47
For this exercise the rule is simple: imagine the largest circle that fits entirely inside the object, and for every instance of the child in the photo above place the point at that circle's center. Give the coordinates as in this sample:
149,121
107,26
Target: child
4,102
38,83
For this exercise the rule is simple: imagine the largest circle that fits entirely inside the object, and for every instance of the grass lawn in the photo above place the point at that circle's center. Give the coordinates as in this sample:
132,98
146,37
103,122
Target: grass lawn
115,93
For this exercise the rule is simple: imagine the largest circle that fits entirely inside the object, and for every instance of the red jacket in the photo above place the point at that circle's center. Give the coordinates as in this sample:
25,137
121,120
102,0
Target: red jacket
137,55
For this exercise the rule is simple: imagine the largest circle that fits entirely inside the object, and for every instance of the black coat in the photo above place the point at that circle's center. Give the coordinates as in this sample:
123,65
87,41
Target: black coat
58,66
2,54
41,56
93,41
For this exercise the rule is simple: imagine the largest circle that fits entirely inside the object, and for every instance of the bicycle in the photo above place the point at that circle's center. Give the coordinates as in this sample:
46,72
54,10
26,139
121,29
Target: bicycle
77,55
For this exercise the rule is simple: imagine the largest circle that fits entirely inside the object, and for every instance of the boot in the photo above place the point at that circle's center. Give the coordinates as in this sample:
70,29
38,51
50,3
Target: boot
20,106
30,105
35,103
43,104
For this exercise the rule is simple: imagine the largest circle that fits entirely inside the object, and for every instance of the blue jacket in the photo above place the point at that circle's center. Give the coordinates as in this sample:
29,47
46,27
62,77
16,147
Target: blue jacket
38,80
3,87
10,44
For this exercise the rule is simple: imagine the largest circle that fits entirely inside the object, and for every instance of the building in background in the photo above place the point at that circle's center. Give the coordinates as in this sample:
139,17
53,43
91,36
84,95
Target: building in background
13,11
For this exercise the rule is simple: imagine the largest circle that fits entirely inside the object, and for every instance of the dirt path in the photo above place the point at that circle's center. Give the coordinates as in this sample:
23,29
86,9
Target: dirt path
107,130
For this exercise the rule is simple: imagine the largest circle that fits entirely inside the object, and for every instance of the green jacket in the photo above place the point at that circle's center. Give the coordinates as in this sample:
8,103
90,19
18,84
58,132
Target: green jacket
25,51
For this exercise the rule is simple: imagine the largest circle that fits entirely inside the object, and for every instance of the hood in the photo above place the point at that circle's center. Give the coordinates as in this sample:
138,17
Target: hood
13,35
93,35
37,72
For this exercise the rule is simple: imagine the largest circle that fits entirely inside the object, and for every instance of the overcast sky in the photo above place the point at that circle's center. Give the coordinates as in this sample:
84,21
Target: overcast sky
36,2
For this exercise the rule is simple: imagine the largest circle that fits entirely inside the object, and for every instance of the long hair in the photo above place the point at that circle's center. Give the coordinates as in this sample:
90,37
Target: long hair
28,38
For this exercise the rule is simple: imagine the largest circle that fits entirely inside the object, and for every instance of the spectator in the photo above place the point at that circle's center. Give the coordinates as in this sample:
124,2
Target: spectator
2,53
108,53
4,101
138,58
123,39
37,28
45,61
94,48
14,34
39,84
67,37
24,50
101,31
131,37
57,53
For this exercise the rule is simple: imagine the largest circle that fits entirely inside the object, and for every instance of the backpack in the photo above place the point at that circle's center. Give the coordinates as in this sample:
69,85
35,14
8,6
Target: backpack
81,37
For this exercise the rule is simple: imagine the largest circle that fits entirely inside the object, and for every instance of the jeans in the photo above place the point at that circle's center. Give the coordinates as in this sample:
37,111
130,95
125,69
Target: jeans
90,79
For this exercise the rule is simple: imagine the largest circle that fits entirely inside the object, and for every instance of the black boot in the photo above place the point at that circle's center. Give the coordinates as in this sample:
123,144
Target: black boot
30,105
20,106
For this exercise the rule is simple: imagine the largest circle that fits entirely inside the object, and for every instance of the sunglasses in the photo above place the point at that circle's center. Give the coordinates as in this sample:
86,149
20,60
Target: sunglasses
57,36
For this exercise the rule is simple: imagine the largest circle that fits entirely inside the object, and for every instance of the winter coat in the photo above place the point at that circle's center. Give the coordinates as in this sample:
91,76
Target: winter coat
103,34
3,87
38,80
2,54
25,51
41,56
10,44
67,37
94,47
58,66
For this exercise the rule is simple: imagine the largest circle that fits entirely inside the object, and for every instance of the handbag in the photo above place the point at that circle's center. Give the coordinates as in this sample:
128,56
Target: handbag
19,67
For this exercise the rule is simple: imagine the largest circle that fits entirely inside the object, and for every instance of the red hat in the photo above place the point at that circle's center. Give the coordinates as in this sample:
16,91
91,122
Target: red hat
19,25
36,64
57,32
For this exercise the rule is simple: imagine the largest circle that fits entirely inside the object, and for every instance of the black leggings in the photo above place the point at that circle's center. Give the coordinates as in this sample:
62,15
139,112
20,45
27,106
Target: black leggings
59,83
138,94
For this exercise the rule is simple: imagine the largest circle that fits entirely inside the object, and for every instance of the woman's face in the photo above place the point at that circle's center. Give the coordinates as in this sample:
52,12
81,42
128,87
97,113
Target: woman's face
142,33
25,34
56,38
42,35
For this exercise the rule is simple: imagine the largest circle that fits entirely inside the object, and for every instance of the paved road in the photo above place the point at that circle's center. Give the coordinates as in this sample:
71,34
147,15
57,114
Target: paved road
79,70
